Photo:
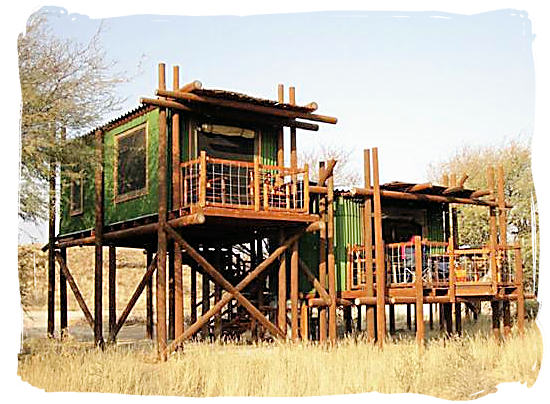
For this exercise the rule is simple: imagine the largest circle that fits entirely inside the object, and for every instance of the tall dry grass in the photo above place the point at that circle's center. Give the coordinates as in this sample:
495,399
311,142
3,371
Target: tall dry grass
463,368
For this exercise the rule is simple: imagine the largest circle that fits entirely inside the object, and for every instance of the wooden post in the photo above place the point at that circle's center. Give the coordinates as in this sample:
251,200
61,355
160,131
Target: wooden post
52,202
501,200
112,292
218,293
495,309
293,155
171,293
348,319
452,277
392,318
149,299
331,263
448,314
162,211
63,297
322,311
202,179
458,318
294,290
193,294
409,317
205,302
280,132
441,310
281,296
419,288
256,184
519,289
431,316
492,229
367,237
379,256
178,290
306,188
304,321
98,275
506,318
176,152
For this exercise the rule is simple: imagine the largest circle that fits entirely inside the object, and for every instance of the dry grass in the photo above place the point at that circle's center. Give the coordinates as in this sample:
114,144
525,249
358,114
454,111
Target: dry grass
454,369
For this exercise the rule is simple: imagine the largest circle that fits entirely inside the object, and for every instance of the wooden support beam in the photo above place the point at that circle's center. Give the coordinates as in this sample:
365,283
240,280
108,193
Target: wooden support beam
176,149
322,313
78,296
217,294
189,87
98,273
379,256
161,236
134,298
506,318
149,299
493,235
462,180
419,289
328,172
234,292
205,302
52,203
294,290
63,298
458,318
518,264
431,316
193,282
448,317
112,292
304,321
171,292
367,240
495,310
178,290
501,200
331,268
392,318
316,284
247,106
281,296
419,187
479,193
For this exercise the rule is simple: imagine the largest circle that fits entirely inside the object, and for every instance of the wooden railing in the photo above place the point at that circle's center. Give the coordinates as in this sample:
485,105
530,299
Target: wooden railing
209,181
442,265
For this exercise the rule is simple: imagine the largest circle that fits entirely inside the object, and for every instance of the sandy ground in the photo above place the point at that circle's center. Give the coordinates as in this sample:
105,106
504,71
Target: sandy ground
35,323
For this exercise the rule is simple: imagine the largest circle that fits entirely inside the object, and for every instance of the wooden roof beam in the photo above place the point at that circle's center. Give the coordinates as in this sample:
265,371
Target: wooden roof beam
246,106
420,187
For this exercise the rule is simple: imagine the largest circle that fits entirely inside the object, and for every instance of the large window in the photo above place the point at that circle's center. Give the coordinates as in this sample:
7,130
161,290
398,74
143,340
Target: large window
131,163
76,200
226,142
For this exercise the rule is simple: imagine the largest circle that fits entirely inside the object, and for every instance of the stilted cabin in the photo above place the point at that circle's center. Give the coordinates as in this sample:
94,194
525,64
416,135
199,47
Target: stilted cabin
196,178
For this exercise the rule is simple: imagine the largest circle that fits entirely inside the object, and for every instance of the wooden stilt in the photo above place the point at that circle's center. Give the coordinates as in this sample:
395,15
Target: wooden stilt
98,275
331,268
519,287
431,320
281,317
380,260
458,318
392,318
348,319
322,312
448,315
441,310
409,318
506,318
162,211
171,293
112,292
63,297
294,291
495,309
493,238
178,290
193,282
304,321
367,236
149,299
419,288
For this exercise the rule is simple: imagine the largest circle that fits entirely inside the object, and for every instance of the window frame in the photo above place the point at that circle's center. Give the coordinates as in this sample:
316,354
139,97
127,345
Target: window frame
76,212
118,198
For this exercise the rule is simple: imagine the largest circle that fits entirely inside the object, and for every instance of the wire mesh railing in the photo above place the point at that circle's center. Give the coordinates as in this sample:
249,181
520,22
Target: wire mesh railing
209,181
469,265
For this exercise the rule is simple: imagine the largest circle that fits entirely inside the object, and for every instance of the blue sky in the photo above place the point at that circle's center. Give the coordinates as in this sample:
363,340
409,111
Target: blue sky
418,85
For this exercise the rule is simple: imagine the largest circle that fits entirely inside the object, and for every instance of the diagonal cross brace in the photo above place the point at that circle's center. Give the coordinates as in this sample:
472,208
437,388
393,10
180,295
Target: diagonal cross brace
74,288
132,302
242,284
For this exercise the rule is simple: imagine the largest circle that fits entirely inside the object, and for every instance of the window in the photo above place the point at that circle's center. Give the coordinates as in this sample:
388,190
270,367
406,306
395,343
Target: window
76,198
131,164
226,142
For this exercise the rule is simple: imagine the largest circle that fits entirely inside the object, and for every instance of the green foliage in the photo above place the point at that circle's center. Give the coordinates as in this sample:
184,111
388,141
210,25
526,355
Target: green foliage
515,157
66,87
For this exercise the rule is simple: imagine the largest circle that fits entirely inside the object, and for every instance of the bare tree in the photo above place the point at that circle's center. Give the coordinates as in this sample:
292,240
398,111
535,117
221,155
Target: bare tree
344,174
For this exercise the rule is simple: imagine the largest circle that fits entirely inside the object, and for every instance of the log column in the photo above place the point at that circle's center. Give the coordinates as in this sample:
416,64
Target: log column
281,296
98,275
112,293
495,309
519,289
322,311
162,210
330,260
419,287
178,286
380,265
294,290
52,201
63,296
367,237
149,299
